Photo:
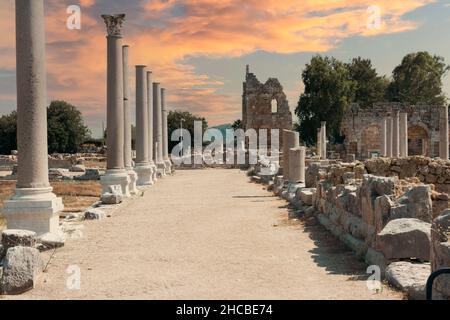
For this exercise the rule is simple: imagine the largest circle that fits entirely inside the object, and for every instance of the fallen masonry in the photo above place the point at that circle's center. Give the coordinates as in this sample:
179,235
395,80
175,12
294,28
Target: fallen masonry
384,210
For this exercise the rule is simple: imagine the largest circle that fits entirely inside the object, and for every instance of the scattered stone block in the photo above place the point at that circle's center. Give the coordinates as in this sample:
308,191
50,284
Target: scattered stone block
21,268
418,203
12,238
405,239
78,168
52,240
94,214
306,195
409,277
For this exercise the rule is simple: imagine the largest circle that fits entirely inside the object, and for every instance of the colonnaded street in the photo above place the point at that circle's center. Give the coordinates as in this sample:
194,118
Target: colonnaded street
208,234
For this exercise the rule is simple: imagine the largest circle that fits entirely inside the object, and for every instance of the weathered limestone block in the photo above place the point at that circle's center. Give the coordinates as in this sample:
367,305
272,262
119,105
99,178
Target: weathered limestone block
114,196
418,203
13,238
94,214
409,277
306,195
373,187
52,240
405,239
440,253
78,168
312,175
383,205
21,268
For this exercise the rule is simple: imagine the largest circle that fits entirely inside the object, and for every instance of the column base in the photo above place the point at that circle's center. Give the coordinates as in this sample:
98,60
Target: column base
34,209
168,165
154,172
113,178
144,174
133,181
161,169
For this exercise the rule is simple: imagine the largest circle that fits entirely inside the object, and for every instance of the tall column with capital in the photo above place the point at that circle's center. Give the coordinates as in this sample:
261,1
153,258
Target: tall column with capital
115,165
142,166
33,205
128,159
151,148
157,129
165,138
443,133
403,134
396,135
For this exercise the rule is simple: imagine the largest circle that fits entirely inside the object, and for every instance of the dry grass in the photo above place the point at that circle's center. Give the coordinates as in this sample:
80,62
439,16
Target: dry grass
95,164
76,195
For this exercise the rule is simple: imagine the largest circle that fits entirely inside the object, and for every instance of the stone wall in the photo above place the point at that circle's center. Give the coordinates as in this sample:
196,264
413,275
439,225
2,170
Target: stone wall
386,212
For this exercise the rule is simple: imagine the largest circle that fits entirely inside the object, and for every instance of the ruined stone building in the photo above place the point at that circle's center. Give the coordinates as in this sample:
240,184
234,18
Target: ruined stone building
361,127
265,106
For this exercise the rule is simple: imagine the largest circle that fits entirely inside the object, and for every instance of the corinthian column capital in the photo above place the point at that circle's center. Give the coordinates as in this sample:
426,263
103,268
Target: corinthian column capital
114,24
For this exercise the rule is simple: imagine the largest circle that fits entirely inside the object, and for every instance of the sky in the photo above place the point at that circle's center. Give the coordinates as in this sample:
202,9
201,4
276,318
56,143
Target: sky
198,49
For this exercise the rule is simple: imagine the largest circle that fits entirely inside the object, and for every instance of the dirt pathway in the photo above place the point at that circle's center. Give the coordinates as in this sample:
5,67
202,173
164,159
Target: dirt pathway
206,234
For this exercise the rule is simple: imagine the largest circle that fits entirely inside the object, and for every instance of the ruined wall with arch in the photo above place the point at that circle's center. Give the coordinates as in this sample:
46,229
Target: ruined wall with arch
361,128
265,106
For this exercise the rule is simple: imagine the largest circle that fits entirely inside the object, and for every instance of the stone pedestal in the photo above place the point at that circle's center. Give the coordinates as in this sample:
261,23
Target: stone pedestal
290,141
297,164
33,206
157,130
165,138
383,142
128,158
150,126
142,166
115,165
323,140
403,134
396,135
443,133
389,130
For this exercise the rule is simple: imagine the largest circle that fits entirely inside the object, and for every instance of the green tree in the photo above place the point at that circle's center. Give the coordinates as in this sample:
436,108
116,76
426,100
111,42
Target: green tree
237,125
8,133
66,129
370,87
329,91
418,80
174,120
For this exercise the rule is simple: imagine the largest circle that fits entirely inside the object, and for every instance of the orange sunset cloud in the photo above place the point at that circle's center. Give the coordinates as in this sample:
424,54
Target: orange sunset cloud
163,33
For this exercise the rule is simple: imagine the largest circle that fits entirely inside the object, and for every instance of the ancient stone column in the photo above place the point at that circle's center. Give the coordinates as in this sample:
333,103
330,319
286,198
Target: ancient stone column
443,133
389,125
115,165
290,140
403,130
396,135
297,165
128,158
323,142
165,137
33,205
142,166
319,138
150,126
383,142
157,129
